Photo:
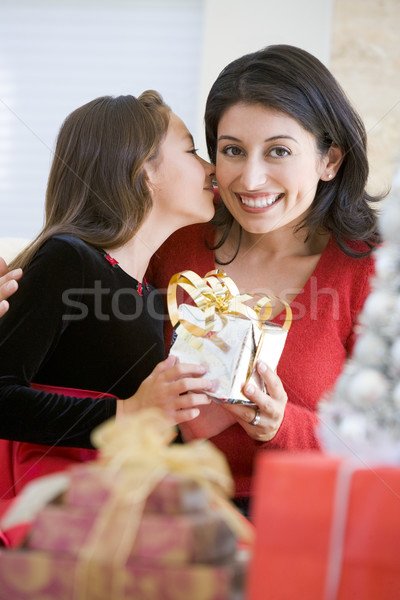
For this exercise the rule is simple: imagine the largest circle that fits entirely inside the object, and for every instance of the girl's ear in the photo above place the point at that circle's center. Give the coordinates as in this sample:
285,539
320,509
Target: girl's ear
335,159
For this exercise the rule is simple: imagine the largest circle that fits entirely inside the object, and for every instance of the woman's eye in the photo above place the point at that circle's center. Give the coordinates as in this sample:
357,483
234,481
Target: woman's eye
231,151
279,152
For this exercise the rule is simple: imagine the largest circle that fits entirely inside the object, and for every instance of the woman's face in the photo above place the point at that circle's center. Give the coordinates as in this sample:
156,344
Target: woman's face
180,180
267,167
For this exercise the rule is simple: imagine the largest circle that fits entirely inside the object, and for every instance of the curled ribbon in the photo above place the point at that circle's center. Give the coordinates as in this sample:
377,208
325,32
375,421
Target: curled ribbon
217,293
139,448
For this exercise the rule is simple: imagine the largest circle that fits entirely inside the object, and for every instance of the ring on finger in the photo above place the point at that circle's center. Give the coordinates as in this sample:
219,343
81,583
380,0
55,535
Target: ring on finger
256,419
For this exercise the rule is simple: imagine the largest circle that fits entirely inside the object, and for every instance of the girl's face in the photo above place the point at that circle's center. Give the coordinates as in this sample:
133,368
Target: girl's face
267,167
180,180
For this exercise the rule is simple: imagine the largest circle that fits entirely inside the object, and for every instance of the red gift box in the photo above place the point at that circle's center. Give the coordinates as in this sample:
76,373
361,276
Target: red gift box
326,529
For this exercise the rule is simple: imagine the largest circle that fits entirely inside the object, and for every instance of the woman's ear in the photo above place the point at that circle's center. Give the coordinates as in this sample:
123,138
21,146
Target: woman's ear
334,159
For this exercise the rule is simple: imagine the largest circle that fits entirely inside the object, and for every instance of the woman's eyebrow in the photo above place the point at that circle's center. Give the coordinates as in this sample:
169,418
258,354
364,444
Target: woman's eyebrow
271,139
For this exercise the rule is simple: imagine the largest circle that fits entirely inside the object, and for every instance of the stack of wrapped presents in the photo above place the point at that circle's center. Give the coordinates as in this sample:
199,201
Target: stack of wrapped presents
151,524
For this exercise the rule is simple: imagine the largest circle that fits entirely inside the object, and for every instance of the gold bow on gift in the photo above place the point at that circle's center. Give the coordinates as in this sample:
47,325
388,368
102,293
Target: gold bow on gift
138,447
217,293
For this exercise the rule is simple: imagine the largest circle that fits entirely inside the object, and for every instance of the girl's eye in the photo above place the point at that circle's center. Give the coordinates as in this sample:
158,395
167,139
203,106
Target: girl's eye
279,152
231,151
194,151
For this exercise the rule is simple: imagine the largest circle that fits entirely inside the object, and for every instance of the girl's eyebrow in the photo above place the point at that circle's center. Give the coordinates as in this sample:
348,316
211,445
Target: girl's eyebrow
271,139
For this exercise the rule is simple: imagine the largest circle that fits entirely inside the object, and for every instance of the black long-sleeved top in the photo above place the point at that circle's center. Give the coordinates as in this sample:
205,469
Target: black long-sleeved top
76,321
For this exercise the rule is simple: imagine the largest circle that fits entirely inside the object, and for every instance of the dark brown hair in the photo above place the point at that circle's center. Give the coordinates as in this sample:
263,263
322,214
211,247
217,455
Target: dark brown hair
292,81
97,188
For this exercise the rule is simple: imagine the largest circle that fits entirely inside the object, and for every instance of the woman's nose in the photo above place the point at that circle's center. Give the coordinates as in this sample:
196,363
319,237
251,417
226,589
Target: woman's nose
253,174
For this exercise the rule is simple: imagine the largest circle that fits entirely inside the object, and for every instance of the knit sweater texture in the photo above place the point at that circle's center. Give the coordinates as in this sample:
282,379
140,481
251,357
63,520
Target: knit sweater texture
322,335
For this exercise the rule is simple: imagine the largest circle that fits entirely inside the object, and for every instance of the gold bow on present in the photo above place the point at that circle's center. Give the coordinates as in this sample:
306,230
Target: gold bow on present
138,447
216,292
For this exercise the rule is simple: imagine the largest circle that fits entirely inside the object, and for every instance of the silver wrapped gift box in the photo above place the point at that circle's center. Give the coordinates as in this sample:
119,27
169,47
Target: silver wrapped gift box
224,333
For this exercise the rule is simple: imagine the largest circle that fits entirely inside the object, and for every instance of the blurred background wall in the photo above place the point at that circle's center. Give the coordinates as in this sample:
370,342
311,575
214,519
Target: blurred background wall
365,58
54,56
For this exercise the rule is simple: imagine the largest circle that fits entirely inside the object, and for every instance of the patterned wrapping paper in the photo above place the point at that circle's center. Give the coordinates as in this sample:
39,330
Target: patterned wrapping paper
200,537
224,333
93,485
30,575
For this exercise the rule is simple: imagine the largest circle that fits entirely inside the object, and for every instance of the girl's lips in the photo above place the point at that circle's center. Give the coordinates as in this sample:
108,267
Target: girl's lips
260,202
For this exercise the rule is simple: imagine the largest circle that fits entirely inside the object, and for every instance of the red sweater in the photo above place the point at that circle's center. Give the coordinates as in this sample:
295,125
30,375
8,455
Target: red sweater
318,342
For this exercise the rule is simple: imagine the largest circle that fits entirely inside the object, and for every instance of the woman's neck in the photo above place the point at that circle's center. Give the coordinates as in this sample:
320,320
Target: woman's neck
285,243
274,245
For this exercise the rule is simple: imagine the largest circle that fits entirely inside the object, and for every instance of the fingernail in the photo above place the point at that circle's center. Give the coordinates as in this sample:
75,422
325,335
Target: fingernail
262,366
250,389
214,385
203,368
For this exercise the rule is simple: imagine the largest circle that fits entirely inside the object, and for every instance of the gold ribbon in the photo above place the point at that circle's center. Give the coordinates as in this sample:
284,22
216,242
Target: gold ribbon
216,293
138,447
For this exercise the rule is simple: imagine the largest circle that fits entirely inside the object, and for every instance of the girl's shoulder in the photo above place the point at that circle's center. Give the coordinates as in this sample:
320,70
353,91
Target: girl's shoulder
65,246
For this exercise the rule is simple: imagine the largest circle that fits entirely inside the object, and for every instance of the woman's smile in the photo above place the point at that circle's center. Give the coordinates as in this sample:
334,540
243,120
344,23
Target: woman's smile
260,201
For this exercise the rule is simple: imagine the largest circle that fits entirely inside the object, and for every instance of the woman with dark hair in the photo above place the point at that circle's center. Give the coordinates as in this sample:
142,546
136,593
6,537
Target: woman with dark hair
294,220
84,317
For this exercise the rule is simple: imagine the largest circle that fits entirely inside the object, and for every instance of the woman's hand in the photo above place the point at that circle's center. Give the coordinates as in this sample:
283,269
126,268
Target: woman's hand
8,285
262,421
174,387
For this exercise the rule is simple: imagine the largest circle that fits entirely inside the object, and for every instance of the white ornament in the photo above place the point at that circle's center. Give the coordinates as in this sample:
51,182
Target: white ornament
354,427
387,262
370,349
378,308
367,387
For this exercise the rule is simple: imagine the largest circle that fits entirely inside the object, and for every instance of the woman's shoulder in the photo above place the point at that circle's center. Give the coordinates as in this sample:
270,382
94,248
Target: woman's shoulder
358,255
352,275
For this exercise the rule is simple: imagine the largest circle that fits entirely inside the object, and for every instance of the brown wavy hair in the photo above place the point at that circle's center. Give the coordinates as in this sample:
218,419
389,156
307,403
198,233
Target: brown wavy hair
97,188
292,81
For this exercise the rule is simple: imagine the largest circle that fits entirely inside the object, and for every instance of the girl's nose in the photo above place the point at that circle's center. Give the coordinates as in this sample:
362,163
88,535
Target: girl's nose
208,167
209,170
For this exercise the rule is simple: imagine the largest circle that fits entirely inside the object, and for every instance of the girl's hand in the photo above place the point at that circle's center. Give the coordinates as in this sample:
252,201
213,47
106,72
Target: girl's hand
176,388
262,421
